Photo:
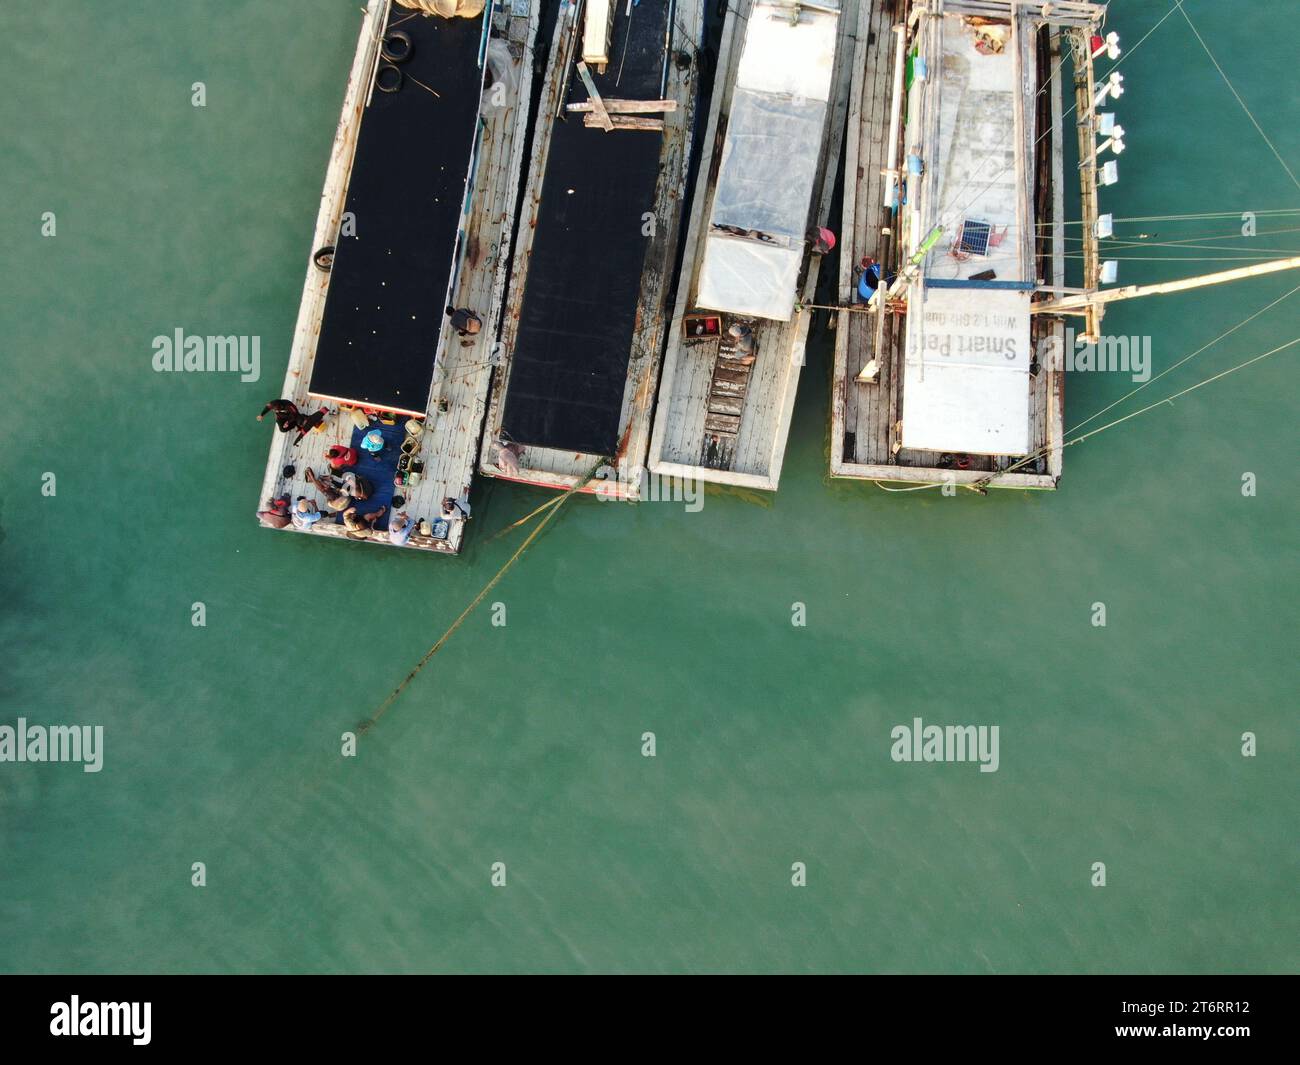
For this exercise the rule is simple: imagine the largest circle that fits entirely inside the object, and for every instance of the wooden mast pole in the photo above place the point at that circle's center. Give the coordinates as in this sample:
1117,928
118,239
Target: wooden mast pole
1085,90
1080,304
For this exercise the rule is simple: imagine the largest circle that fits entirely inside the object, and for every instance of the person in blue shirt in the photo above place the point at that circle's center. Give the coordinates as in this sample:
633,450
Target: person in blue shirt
306,513
399,528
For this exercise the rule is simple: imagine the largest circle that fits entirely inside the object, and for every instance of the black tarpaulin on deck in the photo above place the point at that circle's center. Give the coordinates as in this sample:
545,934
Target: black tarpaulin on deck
569,363
388,287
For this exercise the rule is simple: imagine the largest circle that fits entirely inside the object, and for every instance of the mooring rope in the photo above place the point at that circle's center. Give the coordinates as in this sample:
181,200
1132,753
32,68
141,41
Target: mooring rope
554,501
1271,146
1185,358
555,506
984,482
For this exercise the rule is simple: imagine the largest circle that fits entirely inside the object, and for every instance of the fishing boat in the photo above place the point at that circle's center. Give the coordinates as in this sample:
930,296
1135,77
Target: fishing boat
740,325
951,348
583,330
416,216
953,227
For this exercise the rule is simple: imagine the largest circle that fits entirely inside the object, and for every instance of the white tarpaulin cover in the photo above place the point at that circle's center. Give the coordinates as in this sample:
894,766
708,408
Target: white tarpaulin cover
769,163
749,277
966,379
792,60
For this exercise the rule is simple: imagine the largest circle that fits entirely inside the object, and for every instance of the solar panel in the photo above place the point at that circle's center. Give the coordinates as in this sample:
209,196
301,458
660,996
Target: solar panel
974,237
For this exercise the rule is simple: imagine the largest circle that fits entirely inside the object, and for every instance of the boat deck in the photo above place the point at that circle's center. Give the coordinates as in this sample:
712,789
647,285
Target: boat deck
393,266
865,418
457,401
584,322
717,420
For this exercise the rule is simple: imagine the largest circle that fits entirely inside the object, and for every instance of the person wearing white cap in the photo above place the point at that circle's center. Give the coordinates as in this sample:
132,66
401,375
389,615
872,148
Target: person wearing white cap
746,345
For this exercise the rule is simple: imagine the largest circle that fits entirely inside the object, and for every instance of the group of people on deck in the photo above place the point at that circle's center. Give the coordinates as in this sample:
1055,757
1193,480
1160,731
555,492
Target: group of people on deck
345,491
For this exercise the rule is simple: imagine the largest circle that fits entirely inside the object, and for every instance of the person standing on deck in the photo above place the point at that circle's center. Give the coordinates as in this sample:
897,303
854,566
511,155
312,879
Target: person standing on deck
454,510
286,414
507,458
464,321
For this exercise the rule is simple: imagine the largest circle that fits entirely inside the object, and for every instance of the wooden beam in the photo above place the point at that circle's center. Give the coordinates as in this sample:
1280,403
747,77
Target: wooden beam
622,122
1128,292
627,107
597,104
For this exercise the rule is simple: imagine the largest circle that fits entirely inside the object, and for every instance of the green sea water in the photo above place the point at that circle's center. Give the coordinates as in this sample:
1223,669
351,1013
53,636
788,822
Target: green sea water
522,744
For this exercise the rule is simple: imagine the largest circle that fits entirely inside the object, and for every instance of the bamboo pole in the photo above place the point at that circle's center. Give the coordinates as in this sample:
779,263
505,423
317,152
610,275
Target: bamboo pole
1078,303
1085,91
891,193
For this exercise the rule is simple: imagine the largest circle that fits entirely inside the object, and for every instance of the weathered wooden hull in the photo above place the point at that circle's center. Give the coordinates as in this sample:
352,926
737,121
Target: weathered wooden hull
457,404
864,437
622,467
717,421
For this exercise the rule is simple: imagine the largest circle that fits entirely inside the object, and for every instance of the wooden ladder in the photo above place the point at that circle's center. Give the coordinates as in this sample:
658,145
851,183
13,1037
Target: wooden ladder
726,402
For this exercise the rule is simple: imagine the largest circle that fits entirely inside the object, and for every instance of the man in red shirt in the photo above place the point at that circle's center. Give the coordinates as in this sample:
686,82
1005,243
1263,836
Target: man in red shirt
341,457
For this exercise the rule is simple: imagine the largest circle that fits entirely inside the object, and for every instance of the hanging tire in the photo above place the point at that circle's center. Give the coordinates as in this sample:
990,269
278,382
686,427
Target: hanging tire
396,47
324,258
388,78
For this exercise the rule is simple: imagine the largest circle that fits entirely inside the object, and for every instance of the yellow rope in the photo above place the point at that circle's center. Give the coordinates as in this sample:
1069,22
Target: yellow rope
367,725
554,501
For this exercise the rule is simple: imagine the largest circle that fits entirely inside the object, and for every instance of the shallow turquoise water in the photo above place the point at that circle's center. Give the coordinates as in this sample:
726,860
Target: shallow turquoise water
522,744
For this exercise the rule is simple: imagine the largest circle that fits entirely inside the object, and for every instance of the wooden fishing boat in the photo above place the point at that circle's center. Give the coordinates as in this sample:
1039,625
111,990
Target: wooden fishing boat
953,211
416,215
583,330
773,142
